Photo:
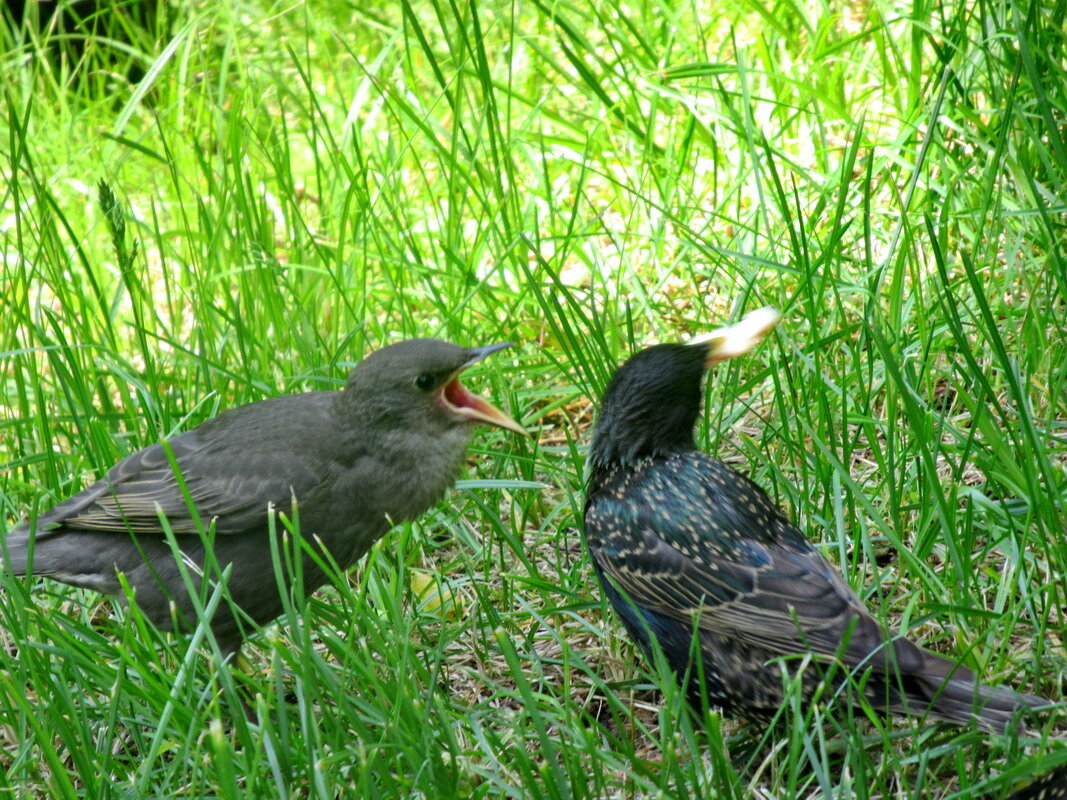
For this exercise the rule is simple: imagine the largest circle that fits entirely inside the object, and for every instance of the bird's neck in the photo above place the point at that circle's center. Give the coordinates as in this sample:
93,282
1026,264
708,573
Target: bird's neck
627,433
609,459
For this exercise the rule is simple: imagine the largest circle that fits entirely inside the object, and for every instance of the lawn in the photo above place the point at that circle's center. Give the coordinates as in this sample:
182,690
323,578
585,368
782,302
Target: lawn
212,204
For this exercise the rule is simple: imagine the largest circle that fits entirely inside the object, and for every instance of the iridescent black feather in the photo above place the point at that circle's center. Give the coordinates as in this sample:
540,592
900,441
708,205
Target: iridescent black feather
688,549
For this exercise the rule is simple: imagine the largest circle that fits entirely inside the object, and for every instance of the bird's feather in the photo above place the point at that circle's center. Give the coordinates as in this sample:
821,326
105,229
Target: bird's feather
685,546
357,461
233,494
676,541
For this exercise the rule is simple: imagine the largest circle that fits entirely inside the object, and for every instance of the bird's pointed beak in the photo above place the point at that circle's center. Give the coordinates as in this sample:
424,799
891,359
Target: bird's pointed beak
735,340
458,399
478,353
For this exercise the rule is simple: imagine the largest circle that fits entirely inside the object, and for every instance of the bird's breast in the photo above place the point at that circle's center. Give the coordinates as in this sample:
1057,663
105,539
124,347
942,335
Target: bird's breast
408,474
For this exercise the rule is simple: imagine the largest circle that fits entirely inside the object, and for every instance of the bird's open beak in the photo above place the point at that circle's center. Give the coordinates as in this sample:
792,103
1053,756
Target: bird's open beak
735,340
458,399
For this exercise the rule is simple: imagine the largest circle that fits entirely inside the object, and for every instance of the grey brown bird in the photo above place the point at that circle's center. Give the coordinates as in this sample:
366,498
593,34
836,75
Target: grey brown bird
356,462
689,550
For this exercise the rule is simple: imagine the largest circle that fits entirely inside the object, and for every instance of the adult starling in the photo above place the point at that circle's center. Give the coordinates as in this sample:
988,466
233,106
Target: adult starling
355,462
686,549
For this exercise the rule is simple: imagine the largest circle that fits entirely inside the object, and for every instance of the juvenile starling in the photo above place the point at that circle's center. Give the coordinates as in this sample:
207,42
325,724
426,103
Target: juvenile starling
686,549
356,462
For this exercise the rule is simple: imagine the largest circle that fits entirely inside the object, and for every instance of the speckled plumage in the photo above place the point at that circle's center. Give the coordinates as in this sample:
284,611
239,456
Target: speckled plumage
686,547
356,461
1050,786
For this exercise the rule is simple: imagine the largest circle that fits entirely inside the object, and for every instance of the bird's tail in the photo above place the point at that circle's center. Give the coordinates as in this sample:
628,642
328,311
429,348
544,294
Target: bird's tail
14,551
951,692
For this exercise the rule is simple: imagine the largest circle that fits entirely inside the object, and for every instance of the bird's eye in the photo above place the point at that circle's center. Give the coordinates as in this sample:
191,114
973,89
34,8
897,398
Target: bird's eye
425,381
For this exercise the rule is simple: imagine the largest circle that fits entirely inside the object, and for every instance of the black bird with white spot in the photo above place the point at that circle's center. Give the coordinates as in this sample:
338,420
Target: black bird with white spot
688,550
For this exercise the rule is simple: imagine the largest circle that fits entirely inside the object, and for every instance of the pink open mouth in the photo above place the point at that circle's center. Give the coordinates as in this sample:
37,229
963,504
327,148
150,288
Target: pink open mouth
456,398
456,395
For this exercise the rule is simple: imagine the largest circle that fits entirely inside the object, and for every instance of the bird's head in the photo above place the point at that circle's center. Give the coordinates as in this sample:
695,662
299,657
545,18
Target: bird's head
653,400
415,383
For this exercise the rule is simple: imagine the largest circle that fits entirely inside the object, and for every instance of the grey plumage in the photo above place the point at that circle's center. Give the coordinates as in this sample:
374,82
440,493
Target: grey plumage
357,462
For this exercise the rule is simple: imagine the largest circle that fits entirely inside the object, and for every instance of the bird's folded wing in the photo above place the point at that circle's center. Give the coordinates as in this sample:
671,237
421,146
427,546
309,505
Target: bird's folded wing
141,487
800,604
719,564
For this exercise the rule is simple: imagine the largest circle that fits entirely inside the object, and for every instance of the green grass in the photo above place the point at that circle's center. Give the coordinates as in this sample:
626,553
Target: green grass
291,186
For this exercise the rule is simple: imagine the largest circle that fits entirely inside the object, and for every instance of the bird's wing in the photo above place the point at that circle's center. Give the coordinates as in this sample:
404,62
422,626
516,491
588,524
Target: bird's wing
698,542
220,488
